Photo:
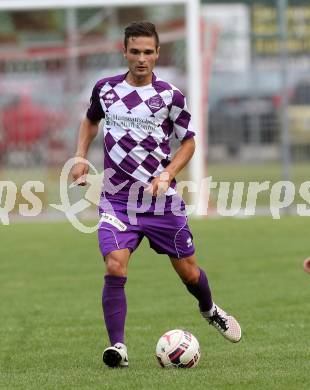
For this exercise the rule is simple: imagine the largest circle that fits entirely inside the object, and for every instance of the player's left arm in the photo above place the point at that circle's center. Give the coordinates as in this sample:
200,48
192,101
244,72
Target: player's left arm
184,131
160,184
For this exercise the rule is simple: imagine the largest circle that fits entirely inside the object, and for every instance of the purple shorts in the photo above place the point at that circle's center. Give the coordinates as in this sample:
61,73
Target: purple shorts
167,234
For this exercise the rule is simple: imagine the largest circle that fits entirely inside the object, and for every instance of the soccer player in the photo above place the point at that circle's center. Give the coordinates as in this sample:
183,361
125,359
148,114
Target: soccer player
141,113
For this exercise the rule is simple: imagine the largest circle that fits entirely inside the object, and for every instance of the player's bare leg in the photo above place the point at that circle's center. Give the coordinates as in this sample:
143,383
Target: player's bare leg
115,307
116,262
197,284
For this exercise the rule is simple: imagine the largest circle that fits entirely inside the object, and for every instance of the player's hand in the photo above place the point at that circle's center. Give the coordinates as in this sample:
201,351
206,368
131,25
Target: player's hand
160,184
79,173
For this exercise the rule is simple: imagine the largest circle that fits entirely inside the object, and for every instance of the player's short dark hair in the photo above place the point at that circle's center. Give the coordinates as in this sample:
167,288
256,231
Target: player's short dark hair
141,29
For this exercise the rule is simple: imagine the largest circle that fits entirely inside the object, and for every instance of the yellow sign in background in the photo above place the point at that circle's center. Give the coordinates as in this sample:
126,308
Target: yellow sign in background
265,29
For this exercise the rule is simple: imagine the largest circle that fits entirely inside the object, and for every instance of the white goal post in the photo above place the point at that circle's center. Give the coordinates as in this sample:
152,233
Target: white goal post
193,60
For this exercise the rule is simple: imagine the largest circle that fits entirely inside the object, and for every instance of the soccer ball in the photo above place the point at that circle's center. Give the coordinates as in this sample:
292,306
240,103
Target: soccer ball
178,348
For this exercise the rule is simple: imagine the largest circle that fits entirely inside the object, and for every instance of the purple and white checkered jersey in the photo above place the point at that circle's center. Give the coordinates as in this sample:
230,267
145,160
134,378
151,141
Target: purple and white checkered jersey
139,123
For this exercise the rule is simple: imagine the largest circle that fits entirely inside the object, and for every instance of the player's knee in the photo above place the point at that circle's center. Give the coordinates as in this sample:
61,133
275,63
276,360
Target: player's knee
115,267
191,276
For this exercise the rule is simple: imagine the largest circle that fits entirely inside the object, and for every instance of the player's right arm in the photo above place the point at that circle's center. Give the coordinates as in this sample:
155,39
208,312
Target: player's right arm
87,132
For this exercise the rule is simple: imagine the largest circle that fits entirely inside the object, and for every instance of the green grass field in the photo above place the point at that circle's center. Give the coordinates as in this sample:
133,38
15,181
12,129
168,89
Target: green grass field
51,328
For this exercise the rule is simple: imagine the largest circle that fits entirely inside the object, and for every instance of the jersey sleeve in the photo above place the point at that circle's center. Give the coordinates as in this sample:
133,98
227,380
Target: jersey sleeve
181,117
95,112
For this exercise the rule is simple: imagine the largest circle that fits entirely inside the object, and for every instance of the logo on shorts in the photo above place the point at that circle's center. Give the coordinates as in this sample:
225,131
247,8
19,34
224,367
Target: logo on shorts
112,220
155,102
189,242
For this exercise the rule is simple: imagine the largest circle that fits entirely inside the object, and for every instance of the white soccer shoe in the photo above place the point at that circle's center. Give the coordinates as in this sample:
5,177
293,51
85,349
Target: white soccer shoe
227,325
116,356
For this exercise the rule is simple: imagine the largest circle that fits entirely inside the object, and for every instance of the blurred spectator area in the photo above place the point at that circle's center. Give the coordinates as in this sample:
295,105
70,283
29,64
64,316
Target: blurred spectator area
28,125
50,60
49,63
246,86
245,125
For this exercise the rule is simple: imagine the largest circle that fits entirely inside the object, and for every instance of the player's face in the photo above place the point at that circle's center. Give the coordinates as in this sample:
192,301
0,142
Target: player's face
141,55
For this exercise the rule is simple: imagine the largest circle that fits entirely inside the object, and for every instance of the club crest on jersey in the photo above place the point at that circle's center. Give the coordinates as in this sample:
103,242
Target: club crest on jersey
155,102
108,98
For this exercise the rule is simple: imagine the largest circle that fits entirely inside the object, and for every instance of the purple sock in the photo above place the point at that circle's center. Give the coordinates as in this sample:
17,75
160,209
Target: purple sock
114,307
202,292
